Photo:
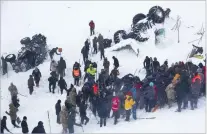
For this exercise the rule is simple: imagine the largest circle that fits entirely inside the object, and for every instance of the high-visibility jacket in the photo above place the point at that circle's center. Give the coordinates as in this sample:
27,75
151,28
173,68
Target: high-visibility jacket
196,77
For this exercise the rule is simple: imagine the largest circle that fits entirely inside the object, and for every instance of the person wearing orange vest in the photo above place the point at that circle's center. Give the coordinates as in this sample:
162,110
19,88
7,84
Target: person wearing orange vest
76,76
195,90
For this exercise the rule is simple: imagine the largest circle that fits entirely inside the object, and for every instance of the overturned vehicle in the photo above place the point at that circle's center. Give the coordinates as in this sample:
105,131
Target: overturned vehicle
33,53
141,23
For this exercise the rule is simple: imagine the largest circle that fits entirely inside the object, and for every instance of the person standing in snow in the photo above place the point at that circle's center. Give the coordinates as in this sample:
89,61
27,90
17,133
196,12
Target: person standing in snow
195,90
13,90
24,126
52,52
71,121
31,84
76,76
170,94
149,96
62,84
92,27
37,75
181,84
147,65
54,67
3,125
52,82
85,52
156,65
134,107
90,73
115,108
116,62
82,110
39,128
58,109
129,102
102,109
4,65
61,67
13,114
95,41
106,65
72,96
64,119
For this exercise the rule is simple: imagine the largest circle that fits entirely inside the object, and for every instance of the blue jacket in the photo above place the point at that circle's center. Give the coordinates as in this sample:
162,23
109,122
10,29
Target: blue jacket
134,93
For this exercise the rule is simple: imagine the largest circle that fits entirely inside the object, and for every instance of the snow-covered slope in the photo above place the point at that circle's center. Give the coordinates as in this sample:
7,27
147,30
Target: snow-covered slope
65,24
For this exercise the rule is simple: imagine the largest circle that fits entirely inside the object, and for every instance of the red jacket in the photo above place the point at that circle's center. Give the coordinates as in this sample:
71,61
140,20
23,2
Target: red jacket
115,103
92,25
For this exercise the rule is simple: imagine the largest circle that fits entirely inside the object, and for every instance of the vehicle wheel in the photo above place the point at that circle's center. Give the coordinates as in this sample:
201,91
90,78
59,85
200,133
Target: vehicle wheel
25,41
137,18
10,58
156,14
118,35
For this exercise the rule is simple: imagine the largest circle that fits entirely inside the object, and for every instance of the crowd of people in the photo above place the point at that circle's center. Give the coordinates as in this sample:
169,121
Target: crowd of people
163,85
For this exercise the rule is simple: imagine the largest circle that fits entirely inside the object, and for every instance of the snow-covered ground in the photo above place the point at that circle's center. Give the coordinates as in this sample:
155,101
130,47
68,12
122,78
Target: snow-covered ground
65,24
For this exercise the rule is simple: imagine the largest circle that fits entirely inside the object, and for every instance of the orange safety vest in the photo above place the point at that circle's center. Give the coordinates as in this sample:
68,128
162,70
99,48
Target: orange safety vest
76,72
196,77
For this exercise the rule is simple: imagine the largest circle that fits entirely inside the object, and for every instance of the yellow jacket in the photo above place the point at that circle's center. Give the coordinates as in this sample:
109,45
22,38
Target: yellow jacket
177,76
129,102
91,70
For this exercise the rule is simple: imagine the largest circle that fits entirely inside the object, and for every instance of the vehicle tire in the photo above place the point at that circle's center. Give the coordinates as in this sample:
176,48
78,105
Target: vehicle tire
118,34
156,14
137,18
10,58
25,41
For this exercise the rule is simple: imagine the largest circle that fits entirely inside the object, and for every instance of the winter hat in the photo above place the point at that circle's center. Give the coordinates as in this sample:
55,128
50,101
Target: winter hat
30,75
59,101
199,70
151,84
40,123
129,93
24,118
200,65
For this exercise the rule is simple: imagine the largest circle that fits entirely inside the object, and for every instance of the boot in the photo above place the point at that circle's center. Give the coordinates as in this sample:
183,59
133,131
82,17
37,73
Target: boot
86,121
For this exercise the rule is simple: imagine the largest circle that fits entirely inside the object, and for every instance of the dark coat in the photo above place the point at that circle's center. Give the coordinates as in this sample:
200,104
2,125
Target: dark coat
106,64
147,63
61,65
37,74
149,93
84,51
52,80
102,107
156,64
39,129
62,84
3,126
57,108
116,62
53,51
181,86
30,82
82,109
95,43
24,127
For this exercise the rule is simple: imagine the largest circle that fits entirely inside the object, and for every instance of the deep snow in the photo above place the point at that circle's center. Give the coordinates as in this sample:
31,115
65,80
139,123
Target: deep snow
65,24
